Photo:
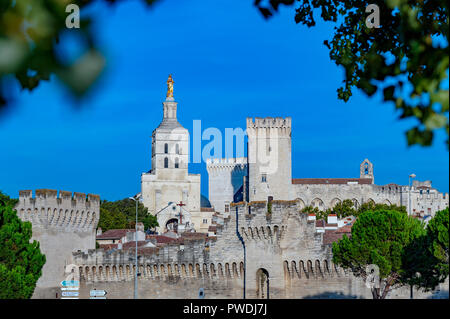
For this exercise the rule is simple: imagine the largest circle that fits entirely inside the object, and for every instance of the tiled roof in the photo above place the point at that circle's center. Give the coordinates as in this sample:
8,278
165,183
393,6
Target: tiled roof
194,235
108,246
161,239
320,223
331,180
132,244
147,250
345,229
331,236
114,233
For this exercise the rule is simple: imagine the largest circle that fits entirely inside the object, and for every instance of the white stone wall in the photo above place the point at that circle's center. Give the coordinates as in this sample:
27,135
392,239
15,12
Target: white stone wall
226,176
61,224
269,154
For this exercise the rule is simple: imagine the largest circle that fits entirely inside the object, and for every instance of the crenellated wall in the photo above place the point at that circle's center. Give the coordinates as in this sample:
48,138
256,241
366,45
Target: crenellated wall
61,224
282,245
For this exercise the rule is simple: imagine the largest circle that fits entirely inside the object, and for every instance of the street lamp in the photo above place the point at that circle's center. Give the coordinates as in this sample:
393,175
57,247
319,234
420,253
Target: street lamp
411,176
136,200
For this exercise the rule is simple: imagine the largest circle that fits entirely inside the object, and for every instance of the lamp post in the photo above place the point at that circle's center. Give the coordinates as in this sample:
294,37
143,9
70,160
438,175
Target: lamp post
136,200
411,176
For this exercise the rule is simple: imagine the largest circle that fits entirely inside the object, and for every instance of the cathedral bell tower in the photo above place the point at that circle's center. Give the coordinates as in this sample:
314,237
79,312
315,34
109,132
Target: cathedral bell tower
168,190
170,140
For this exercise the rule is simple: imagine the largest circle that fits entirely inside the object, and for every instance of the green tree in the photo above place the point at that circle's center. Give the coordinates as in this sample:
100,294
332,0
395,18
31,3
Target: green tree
21,262
8,200
316,211
372,206
112,220
122,214
428,255
407,57
379,238
344,208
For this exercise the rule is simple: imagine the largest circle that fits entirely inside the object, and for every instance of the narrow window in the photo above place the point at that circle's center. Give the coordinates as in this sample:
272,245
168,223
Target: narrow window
227,208
205,221
177,165
177,149
166,148
263,178
166,162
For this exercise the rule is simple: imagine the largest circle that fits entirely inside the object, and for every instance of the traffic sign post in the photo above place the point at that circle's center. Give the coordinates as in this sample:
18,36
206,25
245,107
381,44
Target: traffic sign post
98,294
70,283
69,289
70,293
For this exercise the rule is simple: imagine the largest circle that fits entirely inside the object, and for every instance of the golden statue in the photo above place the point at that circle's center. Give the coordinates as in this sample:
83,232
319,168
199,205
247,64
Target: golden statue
170,83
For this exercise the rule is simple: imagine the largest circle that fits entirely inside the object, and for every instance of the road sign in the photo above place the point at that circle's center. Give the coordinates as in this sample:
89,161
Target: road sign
70,288
70,283
98,293
70,293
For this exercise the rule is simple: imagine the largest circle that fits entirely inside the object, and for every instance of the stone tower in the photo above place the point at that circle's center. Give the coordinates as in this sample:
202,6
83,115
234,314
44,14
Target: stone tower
269,158
366,170
169,182
62,225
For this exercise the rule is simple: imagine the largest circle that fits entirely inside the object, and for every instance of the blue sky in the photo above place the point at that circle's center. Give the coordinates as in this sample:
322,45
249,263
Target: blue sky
228,63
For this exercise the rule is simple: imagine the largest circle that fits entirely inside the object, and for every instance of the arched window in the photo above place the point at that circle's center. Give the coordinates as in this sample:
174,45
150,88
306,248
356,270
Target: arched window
177,149
166,148
166,162
177,165
366,168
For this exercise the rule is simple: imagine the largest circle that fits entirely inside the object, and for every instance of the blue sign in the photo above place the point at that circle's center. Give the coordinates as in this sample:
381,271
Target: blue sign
70,293
70,283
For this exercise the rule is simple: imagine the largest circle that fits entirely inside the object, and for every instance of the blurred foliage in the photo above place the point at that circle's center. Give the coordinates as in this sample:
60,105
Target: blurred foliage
407,57
121,214
30,33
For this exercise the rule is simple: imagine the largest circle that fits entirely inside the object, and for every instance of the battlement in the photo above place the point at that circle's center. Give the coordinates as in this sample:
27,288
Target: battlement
269,122
68,210
49,194
226,163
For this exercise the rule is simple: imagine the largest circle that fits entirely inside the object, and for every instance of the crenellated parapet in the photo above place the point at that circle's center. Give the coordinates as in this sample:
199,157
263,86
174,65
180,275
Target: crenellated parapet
48,209
269,127
226,164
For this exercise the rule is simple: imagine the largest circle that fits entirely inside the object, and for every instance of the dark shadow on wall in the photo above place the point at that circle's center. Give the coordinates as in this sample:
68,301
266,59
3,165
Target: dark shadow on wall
332,295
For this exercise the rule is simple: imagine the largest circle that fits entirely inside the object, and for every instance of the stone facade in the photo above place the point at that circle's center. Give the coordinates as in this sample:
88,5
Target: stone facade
61,224
285,258
168,183
269,175
225,180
